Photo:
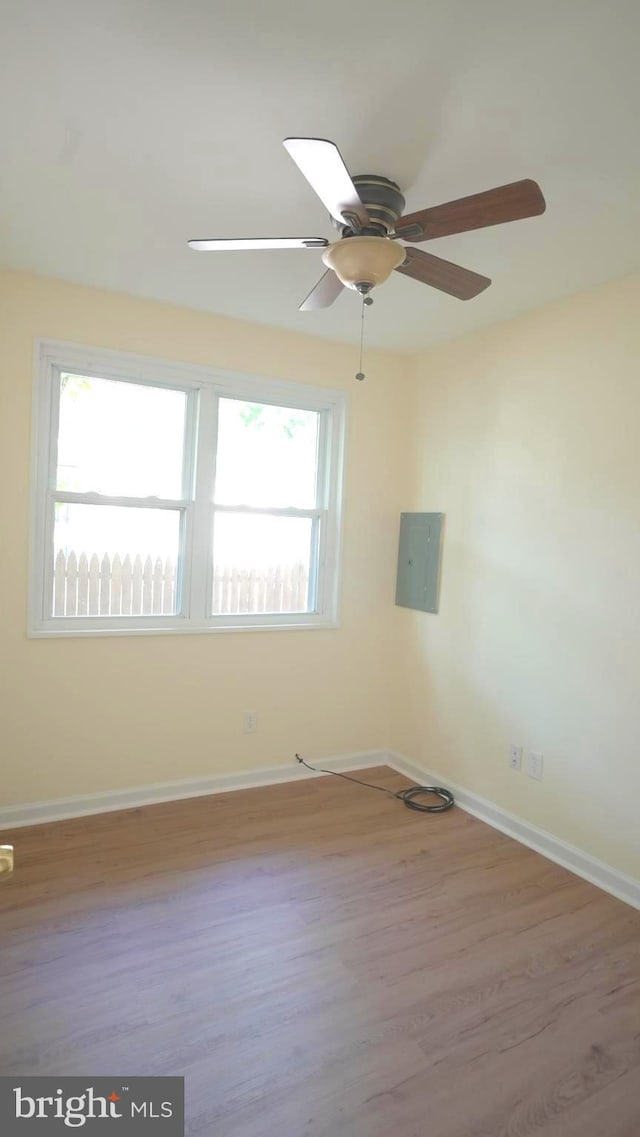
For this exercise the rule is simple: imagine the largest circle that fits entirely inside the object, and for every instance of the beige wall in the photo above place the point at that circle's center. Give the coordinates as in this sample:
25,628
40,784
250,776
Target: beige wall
83,715
528,438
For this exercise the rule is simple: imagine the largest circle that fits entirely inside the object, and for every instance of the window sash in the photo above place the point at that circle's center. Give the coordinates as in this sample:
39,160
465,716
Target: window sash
182,505
194,585
183,508
320,457
317,518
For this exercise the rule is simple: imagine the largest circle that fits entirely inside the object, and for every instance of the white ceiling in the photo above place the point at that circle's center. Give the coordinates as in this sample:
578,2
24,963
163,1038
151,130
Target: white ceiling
129,126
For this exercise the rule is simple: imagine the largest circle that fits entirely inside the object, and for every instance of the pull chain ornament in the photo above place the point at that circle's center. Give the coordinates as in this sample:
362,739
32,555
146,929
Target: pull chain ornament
366,302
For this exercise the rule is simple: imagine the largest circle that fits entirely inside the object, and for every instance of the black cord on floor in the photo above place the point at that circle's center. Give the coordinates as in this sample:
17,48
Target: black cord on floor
410,796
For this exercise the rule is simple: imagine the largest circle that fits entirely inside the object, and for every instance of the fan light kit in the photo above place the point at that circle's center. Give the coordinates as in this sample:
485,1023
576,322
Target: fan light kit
367,210
363,262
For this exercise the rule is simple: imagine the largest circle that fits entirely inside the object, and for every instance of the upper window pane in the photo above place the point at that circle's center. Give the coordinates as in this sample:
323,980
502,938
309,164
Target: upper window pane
120,439
267,455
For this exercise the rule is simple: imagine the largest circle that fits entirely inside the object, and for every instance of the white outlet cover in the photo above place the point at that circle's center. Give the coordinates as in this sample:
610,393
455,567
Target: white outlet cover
249,722
515,757
535,764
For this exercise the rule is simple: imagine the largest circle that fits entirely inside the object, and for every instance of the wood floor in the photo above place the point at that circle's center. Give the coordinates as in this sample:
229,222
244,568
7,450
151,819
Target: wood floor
318,961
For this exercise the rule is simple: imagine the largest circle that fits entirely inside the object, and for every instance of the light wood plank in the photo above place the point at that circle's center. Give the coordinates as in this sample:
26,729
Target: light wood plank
319,961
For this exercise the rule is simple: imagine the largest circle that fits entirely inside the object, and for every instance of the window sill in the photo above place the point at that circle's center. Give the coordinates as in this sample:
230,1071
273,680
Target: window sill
48,632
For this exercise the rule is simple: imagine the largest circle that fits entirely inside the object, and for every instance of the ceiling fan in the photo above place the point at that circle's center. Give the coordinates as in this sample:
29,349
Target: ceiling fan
367,210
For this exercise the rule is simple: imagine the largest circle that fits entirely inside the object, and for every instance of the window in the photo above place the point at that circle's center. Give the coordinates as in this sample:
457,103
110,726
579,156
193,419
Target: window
169,497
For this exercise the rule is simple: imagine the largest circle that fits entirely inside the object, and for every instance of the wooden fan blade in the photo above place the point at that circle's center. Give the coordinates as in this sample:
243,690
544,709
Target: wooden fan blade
234,244
322,165
453,279
323,293
493,207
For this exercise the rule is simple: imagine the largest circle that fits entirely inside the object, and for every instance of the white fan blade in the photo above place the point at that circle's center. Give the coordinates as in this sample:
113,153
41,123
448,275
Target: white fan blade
233,244
323,293
321,163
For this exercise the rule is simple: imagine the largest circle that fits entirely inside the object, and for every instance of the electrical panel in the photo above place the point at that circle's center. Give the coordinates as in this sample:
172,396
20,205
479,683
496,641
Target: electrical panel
419,560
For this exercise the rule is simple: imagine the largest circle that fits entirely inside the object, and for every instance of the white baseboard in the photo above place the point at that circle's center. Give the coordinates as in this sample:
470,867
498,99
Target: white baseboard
596,872
108,801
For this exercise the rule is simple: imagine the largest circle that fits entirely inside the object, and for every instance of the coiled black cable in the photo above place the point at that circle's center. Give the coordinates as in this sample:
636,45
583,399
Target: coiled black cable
410,796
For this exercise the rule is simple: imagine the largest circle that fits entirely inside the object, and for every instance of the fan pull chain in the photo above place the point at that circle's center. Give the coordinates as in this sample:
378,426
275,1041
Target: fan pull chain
366,301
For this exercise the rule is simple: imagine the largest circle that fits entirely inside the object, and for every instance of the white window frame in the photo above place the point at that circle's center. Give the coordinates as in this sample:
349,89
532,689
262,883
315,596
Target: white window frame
203,386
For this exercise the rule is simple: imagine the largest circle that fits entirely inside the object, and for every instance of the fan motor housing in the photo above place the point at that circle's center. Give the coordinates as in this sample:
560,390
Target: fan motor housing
383,201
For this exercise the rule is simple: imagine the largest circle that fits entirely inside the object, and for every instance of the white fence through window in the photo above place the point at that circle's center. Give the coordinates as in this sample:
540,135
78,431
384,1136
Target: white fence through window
89,585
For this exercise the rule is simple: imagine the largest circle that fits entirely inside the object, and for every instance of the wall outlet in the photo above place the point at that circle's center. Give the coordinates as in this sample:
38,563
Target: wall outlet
515,757
249,722
534,765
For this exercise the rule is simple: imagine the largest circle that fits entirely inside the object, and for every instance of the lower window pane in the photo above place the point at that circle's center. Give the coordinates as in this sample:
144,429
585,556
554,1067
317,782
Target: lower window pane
261,563
114,561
